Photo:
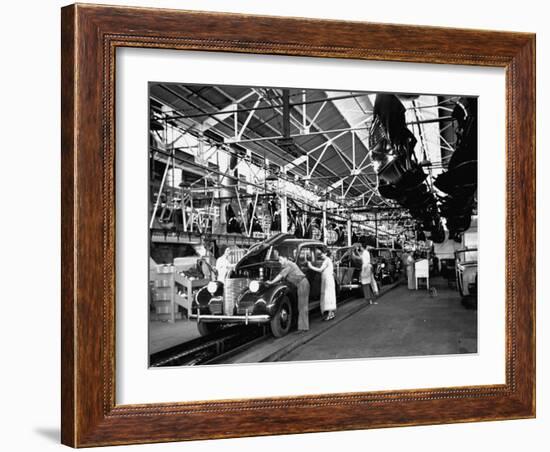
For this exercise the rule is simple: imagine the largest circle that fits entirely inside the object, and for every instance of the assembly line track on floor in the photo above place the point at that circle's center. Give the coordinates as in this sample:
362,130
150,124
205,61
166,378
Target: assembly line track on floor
215,348
223,345
208,349
276,349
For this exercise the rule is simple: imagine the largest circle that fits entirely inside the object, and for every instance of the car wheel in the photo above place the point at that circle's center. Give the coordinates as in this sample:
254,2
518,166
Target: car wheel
281,321
206,328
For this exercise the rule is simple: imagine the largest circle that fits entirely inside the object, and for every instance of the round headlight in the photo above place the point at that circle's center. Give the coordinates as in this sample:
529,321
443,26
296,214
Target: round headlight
254,286
212,287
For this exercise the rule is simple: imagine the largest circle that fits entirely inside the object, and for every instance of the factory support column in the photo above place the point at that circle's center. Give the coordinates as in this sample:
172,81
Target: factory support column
349,231
376,228
227,164
284,204
284,214
324,225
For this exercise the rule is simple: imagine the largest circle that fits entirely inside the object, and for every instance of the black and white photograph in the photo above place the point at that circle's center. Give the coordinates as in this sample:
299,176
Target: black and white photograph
294,224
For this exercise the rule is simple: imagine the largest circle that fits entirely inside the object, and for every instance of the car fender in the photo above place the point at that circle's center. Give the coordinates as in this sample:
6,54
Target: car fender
203,296
272,296
469,275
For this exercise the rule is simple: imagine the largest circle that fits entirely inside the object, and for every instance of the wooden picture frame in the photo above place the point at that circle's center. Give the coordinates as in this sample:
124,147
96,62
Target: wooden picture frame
90,36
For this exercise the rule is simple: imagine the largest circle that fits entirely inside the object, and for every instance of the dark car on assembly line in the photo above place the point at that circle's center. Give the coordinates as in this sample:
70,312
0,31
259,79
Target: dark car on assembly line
245,298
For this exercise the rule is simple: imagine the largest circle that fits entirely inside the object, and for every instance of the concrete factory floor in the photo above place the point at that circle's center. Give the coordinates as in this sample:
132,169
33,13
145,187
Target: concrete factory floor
404,323
163,335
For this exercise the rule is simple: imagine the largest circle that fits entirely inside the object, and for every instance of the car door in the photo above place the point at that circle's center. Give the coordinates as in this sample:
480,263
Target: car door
306,254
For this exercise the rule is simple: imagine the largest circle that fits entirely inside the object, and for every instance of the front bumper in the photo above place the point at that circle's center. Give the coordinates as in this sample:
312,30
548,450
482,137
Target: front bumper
246,319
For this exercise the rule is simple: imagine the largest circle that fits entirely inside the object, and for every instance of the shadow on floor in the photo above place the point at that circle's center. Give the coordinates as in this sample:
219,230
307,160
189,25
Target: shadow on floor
51,433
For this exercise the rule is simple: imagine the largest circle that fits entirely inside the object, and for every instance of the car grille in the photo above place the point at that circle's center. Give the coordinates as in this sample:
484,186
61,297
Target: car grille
243,306
216,306
233,289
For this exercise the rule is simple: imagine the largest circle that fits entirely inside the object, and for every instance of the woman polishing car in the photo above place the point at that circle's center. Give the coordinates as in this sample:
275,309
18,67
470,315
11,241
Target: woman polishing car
328,286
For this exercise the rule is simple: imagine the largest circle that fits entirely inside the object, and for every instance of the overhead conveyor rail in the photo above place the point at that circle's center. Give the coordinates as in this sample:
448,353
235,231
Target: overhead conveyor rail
246,144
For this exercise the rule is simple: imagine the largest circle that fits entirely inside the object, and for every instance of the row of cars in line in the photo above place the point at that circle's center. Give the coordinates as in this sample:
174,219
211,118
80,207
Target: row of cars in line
245,298
387,265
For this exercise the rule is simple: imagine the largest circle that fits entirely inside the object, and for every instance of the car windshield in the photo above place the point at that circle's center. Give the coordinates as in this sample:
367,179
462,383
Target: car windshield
283,250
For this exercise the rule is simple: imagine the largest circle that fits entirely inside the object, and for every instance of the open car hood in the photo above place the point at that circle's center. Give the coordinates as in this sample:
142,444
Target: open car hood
252,256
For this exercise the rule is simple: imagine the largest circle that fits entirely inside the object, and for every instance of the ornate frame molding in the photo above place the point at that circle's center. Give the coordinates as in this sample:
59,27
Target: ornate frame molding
90,37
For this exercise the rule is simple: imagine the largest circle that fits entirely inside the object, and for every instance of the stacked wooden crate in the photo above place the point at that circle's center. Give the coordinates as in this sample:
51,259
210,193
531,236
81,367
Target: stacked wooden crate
161,279
173,288
185,286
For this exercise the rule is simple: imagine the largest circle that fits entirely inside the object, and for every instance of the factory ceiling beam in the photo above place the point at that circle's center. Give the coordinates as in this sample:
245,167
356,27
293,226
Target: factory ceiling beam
295,135
364,180
162,101
318,159
286,114
275,130
349,186
367,185
224,112
345,108
196,125
239,134
185,164
312,121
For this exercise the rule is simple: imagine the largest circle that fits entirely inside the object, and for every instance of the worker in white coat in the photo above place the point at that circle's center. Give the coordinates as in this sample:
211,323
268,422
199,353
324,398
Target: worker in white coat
223,265
367,278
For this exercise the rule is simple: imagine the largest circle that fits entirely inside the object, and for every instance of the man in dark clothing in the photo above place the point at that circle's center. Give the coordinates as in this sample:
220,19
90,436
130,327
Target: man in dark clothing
292,273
